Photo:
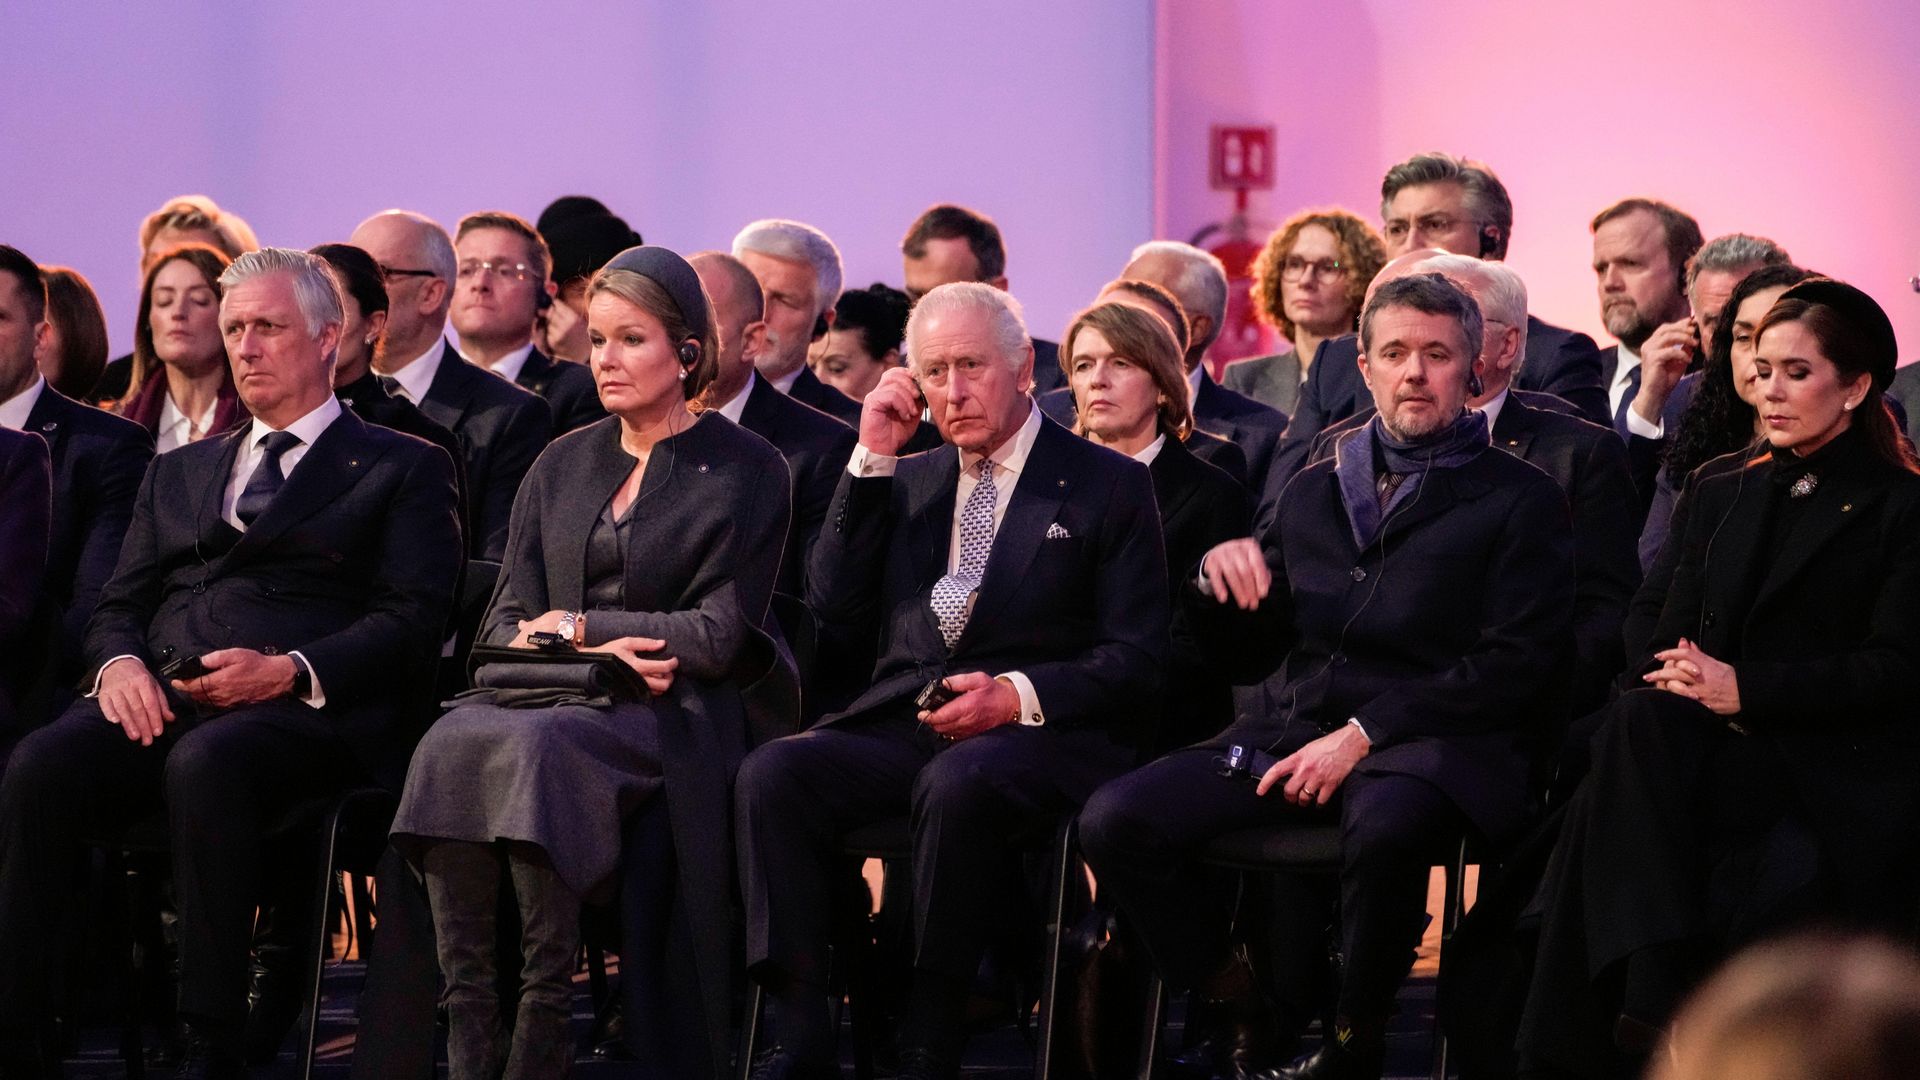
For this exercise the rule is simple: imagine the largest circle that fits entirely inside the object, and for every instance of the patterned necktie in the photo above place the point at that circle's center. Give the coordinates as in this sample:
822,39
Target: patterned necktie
950,593
393,388
266,478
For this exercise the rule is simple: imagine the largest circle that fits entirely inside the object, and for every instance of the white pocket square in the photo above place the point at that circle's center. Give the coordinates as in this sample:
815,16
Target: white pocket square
1057,531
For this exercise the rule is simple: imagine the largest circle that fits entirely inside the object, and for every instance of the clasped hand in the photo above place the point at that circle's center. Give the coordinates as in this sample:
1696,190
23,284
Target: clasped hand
1315,771
984,703
132,698
655,670
1691,673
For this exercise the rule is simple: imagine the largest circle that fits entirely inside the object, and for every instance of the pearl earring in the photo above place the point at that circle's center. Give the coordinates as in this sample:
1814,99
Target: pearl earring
683,378
1849,405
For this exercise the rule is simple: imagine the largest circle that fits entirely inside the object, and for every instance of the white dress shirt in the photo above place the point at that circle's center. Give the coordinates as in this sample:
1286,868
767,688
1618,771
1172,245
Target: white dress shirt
306,429
508,367
177,429
1008,461
1636,424
15,410
1151,450
417,376
1193,382
738,404
1492,408
784,383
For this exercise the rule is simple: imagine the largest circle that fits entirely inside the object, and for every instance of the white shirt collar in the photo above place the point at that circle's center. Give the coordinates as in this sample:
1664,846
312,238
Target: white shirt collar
176,428
1628,361
1151,450
1012,455
15,410
306,429
732,409
784,383
1492,408
508,367
1193,382
416,378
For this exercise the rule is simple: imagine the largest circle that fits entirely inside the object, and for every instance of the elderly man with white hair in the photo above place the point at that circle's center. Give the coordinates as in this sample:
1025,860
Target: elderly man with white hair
1548,433
1016,582
799,272
267,639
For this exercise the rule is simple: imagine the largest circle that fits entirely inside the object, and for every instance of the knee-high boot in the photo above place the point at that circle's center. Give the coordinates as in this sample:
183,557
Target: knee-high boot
463,890
549,940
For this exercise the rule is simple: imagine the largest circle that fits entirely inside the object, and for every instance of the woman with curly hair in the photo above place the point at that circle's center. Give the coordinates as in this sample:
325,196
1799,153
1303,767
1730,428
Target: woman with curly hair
1308,284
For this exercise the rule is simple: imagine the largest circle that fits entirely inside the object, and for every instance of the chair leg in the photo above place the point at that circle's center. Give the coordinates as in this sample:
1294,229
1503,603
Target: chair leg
750,1029
310,1013
1155,1020
1451,912
1065,861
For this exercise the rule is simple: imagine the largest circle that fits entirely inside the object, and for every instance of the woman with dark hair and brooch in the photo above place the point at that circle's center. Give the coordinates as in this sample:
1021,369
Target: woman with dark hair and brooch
1764,770
652,536
182,386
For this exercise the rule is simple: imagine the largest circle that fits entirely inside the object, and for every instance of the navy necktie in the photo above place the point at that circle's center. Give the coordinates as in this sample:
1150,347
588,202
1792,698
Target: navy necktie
267,477
1626,400
392,386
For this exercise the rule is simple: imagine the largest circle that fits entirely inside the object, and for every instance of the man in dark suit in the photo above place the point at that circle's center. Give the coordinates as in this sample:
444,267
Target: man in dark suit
1641,248
1019,574
1458,205
97,457
950,243
26,510
1410,695
799,273
815,445
501,426
307,563
1584,458
501,271
1199,282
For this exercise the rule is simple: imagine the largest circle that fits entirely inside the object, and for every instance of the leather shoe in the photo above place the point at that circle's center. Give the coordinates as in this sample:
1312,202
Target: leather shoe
919,1063
205,1060
1242,1052
1345,1057
774,1063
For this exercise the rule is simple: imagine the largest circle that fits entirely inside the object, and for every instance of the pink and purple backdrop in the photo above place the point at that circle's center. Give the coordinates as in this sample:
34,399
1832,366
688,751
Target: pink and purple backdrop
1080,124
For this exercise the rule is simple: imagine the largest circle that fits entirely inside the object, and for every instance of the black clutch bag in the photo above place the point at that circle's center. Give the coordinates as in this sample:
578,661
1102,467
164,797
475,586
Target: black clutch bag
568,671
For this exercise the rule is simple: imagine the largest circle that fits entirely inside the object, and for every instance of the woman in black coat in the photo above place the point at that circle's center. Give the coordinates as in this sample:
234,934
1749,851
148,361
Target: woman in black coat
1766,769
1130,395
653,536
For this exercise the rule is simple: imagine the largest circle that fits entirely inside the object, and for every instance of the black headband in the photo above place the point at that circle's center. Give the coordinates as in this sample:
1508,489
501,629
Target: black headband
1860,309
672,273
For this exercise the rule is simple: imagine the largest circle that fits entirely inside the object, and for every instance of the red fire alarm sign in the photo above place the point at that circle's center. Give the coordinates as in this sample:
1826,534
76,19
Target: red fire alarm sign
1242,158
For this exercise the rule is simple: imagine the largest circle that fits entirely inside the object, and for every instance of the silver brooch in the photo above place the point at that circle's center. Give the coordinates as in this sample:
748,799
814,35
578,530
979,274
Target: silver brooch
1803,487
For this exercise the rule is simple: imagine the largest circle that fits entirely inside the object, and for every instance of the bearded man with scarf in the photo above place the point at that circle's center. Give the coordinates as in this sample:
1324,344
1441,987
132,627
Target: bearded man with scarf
1416,591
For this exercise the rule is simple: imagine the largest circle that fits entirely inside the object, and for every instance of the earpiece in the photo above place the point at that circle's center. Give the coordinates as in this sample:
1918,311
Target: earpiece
541,301
819,326
1489,243
689,354
1474,387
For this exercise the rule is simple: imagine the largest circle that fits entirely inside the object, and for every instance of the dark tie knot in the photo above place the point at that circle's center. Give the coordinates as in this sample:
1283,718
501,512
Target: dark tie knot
390,384
276,443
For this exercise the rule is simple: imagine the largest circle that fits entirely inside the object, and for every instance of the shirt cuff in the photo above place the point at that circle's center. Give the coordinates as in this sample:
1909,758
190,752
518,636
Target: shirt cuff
1200,579
316,696
1354,722
1030,714
865,462
1641,426
102,673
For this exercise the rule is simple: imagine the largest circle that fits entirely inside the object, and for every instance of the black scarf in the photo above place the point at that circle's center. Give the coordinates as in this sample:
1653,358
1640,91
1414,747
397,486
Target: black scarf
1371,450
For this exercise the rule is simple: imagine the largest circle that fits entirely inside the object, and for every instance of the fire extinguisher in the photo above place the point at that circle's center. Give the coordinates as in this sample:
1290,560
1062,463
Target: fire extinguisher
1243,334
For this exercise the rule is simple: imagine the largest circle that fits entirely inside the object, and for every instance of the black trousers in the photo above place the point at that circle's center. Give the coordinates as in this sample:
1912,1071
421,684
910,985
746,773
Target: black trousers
225,781
969,802
1140,833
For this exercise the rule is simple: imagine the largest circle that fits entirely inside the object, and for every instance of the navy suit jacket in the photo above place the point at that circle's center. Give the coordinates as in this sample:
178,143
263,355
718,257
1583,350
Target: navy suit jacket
1046,366
98,460
353,563
816,447
1452,663
502,428
1566,364
568,388
1074,595
26,509
809,390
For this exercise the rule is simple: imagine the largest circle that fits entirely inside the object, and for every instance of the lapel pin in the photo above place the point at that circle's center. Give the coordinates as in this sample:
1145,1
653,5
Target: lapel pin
1061,483
703,466
353,463
50,425
1846,507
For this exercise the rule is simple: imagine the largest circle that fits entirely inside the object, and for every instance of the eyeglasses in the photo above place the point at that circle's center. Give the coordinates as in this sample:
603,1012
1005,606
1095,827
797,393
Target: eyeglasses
510,271
1398,228
388,273
1293,268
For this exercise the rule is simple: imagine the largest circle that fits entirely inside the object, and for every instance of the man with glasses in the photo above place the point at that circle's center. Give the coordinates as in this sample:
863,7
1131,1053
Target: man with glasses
502,426
501,286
